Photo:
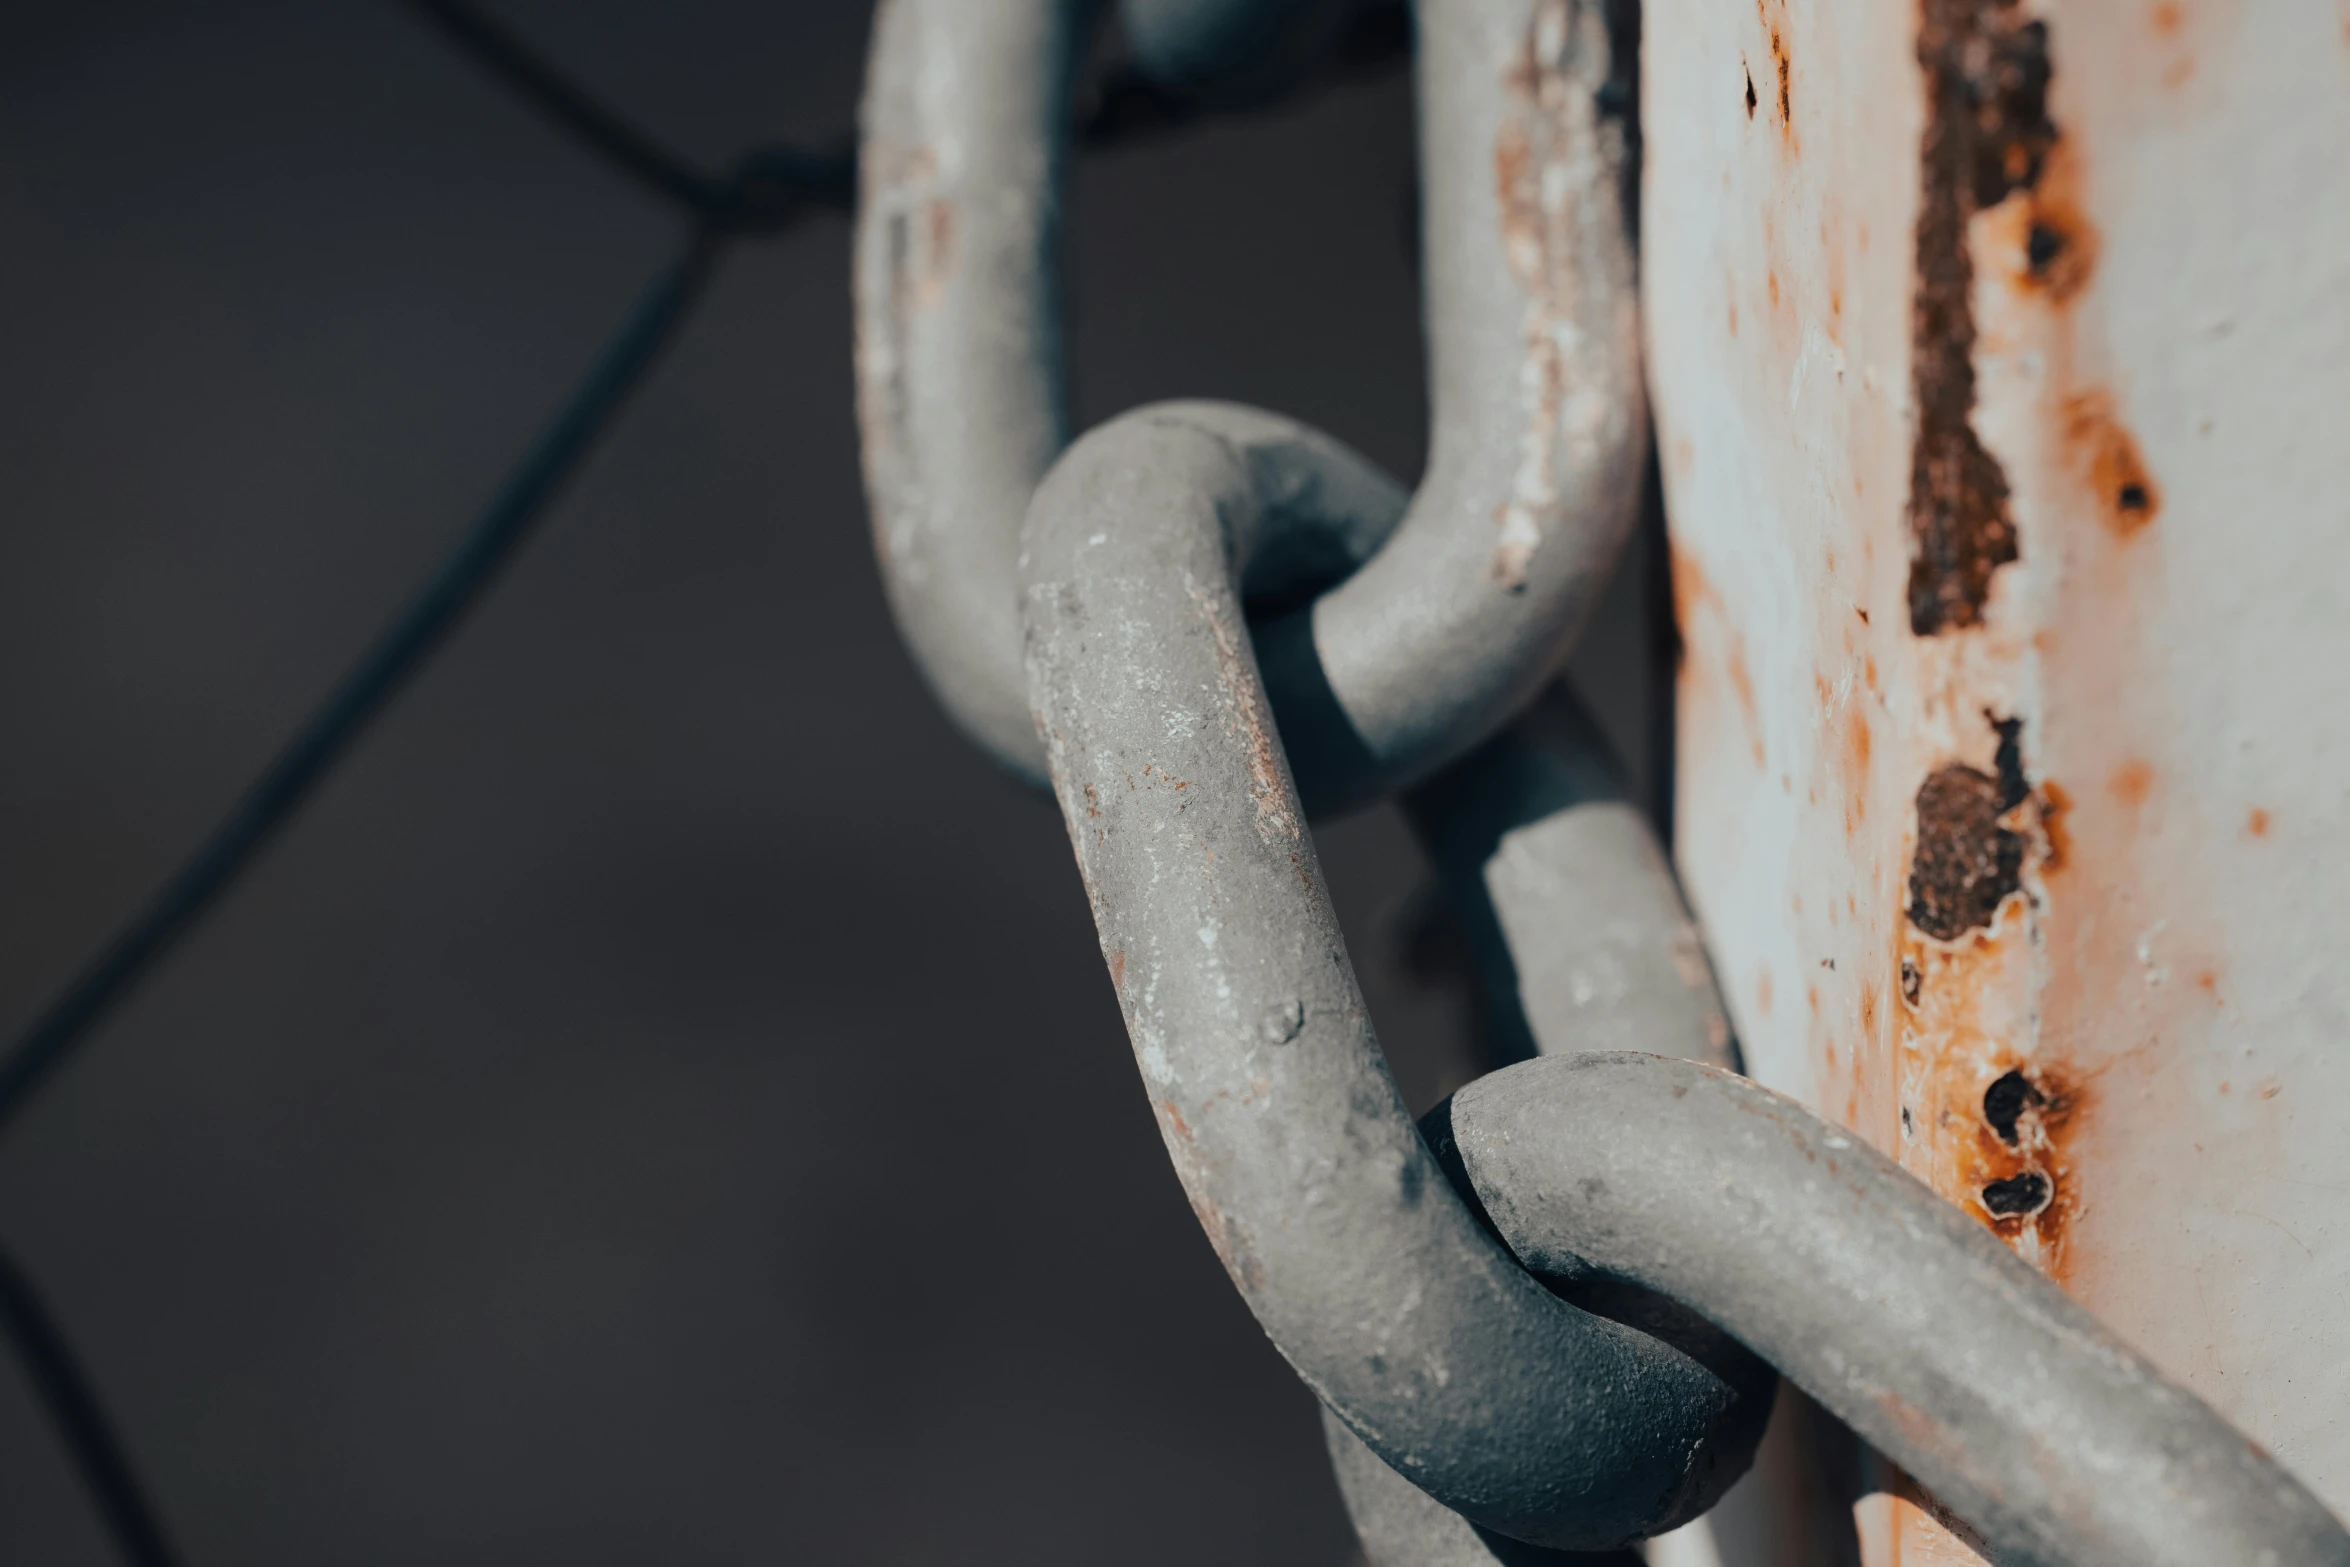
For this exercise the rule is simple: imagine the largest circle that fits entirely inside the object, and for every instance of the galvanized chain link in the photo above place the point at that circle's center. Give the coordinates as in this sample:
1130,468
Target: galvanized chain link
1475,1416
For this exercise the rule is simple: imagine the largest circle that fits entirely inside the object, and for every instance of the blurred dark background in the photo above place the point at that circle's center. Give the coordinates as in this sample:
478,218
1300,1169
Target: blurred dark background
662,1101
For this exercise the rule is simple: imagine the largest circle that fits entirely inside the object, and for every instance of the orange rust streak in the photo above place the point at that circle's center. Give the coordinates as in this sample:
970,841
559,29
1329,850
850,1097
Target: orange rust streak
2047,239
2127,496
1743,684
2056,841
1690,589
1858,744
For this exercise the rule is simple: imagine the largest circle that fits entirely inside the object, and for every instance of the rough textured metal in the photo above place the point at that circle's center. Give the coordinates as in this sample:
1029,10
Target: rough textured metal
959,397
1999,352
1527,1415
1607,956
1538,412
1400,1525
1580,934
2055,1442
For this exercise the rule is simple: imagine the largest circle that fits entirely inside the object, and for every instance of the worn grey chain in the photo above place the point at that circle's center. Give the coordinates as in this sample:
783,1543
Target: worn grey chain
1551,1313
1535,1326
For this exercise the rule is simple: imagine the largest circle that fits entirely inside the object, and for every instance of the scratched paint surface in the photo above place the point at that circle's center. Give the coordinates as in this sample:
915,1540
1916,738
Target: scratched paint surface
2000,357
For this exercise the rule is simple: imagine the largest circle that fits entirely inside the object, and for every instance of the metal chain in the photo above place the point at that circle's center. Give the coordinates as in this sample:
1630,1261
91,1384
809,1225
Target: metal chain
1473,1412
1535,1318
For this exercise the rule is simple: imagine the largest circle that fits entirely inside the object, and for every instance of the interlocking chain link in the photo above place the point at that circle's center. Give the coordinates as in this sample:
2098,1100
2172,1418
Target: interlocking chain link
1081,613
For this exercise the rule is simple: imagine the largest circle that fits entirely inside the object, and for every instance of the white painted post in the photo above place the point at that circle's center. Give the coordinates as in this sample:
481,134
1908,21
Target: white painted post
2001,364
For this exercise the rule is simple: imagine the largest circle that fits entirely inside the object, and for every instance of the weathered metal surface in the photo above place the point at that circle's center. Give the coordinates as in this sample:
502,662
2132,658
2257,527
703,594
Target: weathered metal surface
2057,1444
1570,910
2000,356
1582,943
1338,1227
1535,390
1608,958
959,398
1400,1525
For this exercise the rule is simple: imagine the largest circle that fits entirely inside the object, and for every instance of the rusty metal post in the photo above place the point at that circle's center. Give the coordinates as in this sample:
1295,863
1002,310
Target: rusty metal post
2000,356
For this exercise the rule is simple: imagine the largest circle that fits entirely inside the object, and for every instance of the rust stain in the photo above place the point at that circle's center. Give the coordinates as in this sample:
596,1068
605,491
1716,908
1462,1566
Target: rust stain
1249,719
2045,234
1740,680
2131,783
1987,136
1782,64
2126,493
916,238
1967,859
2257,823
922,233
1762,992
2018,1164
939,253
1857,746
1555,162
1743,684
1989,1124
2055,838
1239,1262
1118,969
2171,24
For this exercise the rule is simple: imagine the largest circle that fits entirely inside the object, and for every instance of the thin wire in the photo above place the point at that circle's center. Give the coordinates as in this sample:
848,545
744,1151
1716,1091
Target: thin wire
64,1390
623,143
370,684
772,186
